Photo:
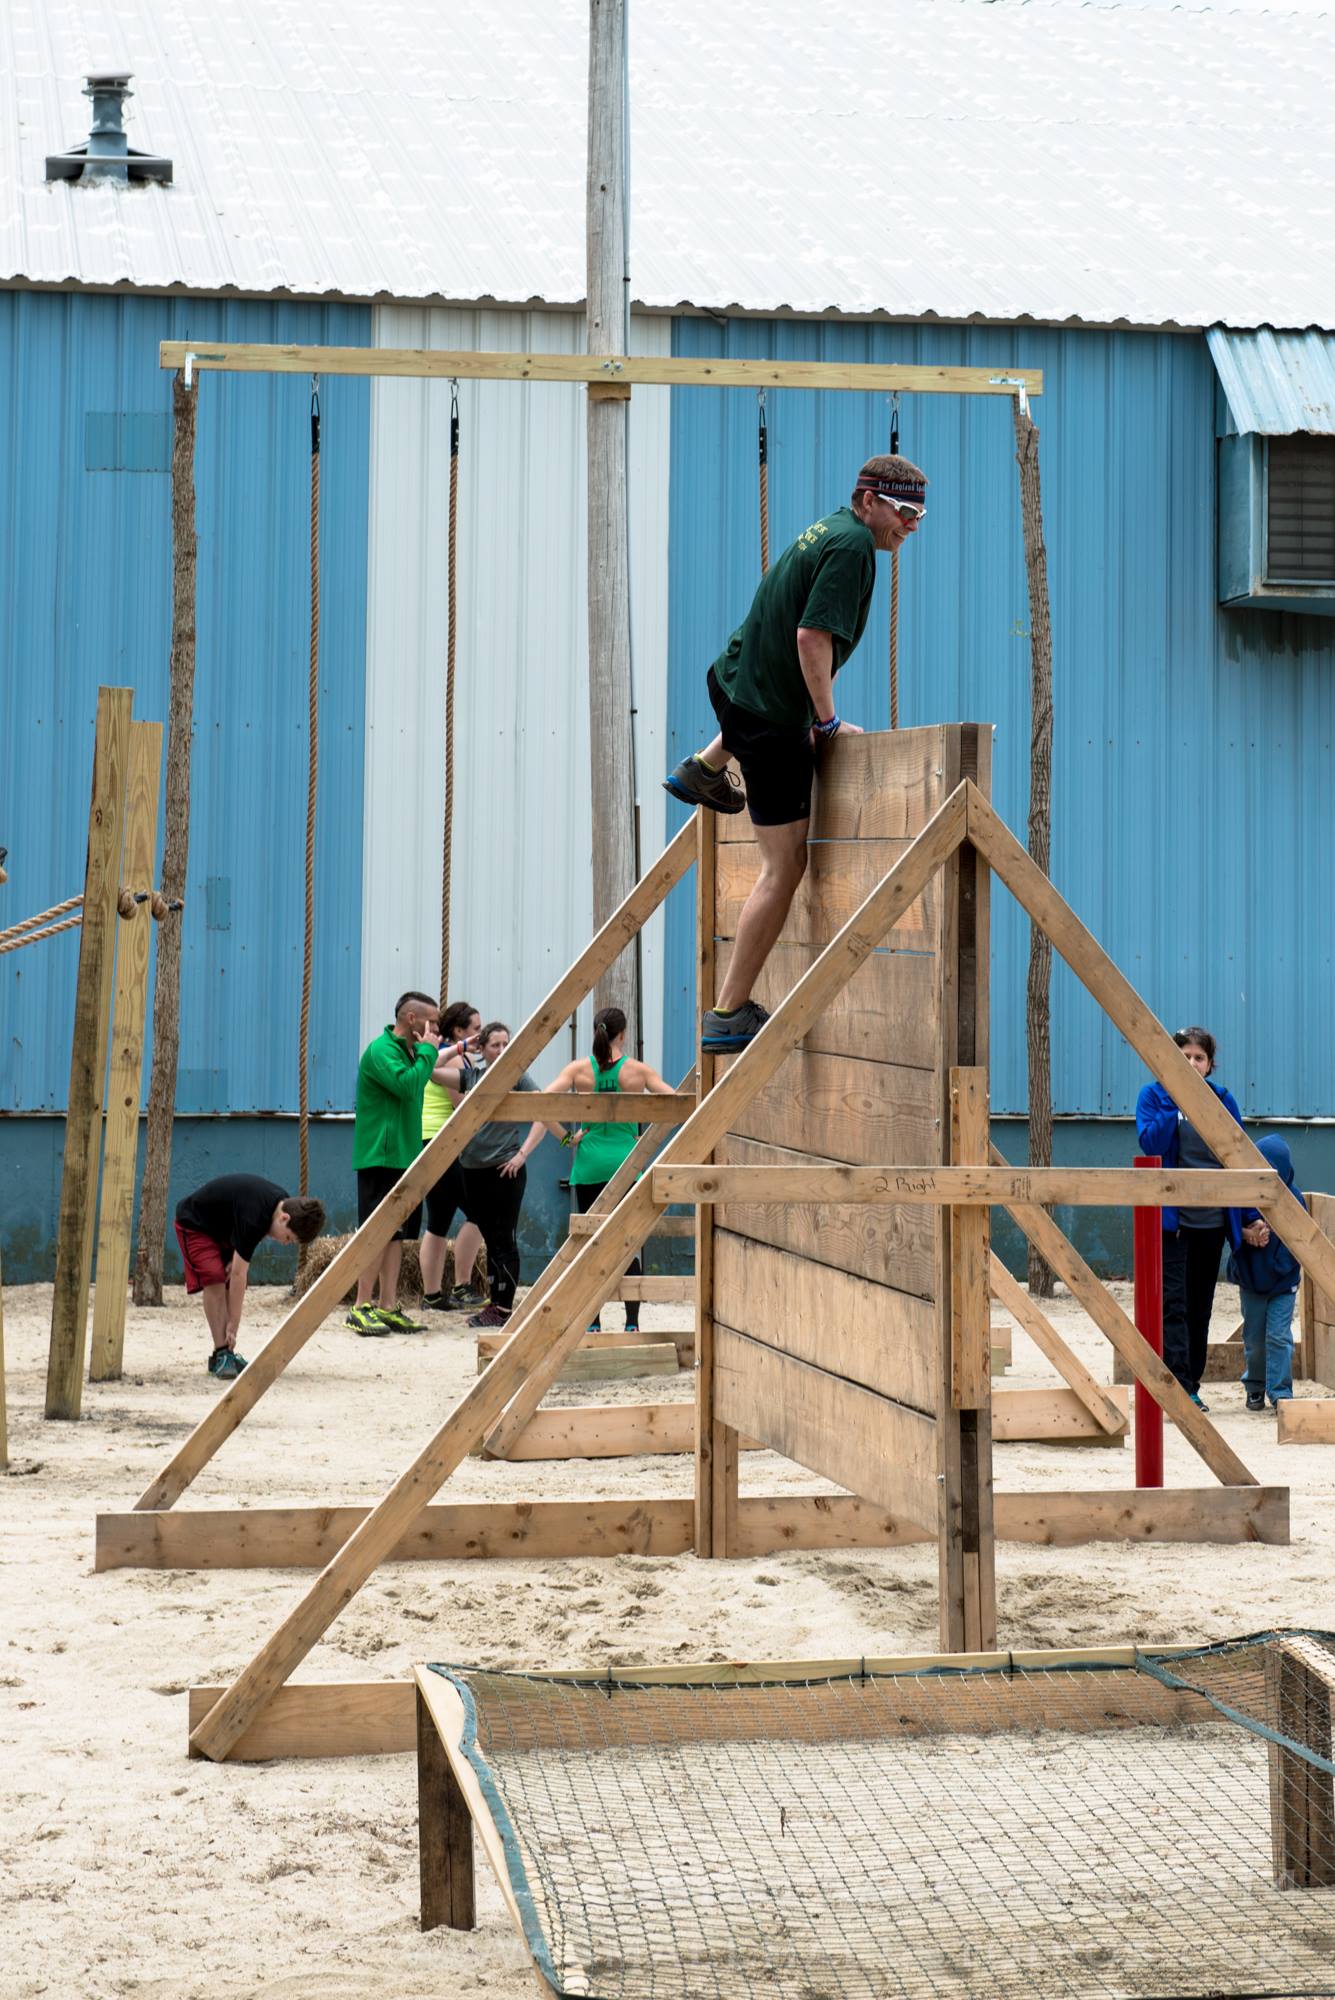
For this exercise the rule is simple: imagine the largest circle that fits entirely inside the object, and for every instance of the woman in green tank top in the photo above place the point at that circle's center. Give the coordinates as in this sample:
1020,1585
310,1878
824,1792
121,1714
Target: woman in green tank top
600,1149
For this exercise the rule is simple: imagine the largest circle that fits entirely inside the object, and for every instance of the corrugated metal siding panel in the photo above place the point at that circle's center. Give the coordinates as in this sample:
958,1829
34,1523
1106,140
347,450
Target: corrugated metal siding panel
1276,383
522,899
85,582
1192,808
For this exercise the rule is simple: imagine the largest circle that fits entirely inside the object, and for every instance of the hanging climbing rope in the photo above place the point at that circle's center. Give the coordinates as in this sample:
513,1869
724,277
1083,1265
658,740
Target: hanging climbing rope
28,932
894,587
451,630
762,443
312,776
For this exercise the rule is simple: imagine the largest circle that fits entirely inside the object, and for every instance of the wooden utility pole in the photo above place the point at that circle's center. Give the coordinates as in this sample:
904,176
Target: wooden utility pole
175,854
88,1055
611,738
1038,1010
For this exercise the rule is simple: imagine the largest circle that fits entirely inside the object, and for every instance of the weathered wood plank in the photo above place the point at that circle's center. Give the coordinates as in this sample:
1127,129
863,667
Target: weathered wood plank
840,876
841,1108
464,1531
970,1305
1054,1416
890,1011
667,1226
322,1719
623,1363
880,1449
88,1056
884,785
594,1430
1307,1422
1323,1355
1300,1694
809,1178
846,1325
444,1834
885,1242
252,358
1212,1514
586,1107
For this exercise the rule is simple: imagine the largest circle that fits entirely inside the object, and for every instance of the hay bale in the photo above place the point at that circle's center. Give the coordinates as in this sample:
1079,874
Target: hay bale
325,1248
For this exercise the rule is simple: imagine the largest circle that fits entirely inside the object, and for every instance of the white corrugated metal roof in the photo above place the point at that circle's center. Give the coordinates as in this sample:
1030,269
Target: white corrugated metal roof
1112,162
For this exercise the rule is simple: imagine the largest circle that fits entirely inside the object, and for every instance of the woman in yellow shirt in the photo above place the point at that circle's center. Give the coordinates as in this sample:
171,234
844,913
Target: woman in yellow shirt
459,1024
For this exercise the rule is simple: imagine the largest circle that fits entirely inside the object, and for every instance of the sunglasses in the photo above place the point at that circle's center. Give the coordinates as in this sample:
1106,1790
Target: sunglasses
908,510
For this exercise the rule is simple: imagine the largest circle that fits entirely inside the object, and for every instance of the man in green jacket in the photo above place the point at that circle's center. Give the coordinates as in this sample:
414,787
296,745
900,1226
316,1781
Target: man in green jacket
772,689
387,1137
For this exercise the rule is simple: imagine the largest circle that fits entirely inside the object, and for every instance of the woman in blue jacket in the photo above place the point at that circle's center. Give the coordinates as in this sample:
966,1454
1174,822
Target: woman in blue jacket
1193,1238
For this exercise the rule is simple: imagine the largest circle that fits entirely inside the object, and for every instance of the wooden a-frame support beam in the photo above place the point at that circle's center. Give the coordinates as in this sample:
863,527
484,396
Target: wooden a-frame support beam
362,1249
556,1323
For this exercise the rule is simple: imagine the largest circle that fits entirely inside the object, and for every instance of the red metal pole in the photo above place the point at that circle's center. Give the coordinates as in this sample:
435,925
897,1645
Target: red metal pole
1149,1320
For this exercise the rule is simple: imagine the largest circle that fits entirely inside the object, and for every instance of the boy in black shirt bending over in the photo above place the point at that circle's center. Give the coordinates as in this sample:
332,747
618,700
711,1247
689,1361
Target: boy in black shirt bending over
219,1228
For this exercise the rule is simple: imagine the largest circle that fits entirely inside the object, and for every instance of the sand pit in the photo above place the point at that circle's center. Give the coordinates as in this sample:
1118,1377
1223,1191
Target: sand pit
130,1871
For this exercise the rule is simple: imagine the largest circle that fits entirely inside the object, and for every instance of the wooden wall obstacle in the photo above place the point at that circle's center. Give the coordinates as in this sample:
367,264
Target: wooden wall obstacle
950,1393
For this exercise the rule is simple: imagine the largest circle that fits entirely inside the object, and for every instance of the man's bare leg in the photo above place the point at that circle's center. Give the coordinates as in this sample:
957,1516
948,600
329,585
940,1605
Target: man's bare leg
214,1299
783,863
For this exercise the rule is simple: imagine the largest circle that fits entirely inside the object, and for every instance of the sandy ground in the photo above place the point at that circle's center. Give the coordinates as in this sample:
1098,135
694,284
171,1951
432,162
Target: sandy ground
126,1869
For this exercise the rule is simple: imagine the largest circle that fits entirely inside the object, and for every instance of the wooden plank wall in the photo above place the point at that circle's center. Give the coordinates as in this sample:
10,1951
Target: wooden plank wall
828,1319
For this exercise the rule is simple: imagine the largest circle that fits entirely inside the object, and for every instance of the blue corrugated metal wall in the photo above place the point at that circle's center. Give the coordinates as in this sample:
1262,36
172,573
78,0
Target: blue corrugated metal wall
85,589
1193,811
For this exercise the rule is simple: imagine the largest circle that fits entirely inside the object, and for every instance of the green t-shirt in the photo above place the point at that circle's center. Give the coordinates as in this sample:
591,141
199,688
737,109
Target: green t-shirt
603,1147
391,1077
823,580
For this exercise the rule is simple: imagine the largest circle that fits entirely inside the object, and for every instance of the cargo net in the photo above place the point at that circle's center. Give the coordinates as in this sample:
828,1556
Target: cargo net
1156,1829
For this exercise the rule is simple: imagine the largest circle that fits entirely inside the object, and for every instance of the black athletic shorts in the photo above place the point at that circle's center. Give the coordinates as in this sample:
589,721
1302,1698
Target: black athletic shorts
446,1200
777,762
373,1184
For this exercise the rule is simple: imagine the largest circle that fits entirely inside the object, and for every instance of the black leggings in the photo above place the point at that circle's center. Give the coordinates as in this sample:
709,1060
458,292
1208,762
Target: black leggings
1190,1274
493,1201
585,1197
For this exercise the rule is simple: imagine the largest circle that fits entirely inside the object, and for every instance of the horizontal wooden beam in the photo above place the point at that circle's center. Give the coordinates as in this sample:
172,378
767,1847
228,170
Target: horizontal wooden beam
1054,1520
464,1531
1309,1421
962,1187
306,1537
673,371
624,1363
1054,1416
604,1107
668,1225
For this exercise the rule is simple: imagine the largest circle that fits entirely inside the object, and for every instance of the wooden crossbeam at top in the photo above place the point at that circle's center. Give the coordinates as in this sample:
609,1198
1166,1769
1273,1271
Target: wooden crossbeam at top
626,370
962,1187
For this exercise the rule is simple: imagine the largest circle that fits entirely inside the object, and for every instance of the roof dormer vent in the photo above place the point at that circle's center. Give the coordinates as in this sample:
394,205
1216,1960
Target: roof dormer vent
105,157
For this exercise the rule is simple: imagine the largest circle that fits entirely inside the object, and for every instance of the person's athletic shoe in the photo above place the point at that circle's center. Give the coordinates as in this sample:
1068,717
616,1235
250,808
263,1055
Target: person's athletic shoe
630,1328
1196,1399
435,1302
395,1321
466,1298
226,1363
366,1321
696,785
594,1326
721,1032
1255,1401
490,1318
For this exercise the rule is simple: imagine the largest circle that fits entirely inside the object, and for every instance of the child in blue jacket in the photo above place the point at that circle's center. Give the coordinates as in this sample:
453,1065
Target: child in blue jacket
1266,1274
1193,1238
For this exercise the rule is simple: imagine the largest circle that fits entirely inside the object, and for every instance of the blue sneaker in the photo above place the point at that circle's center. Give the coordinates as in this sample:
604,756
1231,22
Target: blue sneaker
720,1033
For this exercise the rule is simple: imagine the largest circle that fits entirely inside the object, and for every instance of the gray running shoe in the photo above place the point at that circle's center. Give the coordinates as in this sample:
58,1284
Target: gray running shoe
696,785
722,1032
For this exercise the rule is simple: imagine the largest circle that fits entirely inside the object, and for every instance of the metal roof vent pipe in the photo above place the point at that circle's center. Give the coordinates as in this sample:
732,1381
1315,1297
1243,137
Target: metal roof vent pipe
106,158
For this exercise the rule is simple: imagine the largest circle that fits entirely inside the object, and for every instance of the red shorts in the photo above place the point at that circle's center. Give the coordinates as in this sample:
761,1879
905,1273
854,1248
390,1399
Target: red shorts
205,1259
